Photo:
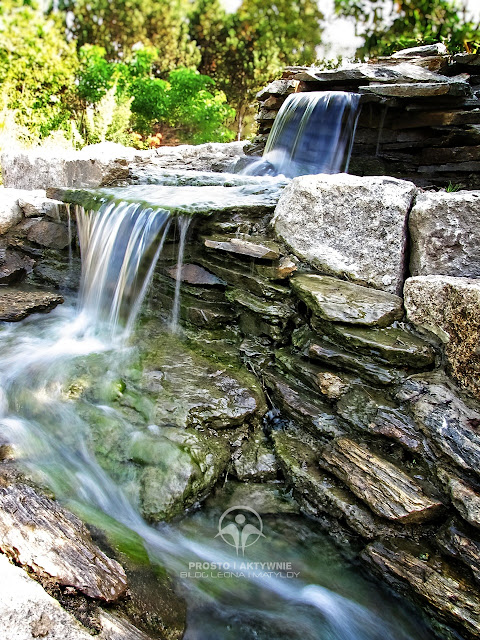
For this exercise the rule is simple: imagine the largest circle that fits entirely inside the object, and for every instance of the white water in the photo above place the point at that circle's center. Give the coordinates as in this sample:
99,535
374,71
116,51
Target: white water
120,245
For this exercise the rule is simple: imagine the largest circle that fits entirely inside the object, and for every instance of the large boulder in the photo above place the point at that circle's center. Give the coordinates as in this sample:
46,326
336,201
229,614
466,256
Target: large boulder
444,233
347,226
10,211
450,308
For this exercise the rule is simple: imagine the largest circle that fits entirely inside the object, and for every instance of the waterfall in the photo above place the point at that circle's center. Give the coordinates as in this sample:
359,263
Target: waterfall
312,133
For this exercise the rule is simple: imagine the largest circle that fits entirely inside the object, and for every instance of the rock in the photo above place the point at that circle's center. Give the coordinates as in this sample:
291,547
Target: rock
49,234
458,544
16,305
285,268
243,248
318,492
193,274
437,583
392,345
335,357
465,499
370,411
296,403
443,229
218,396
181,468
211,156
54,544
448,423
371,214
14,266
450,308
255,461
36,204
278,88
331,385
339,301
418,90
274,312
10,212
426,50
387,490
266,498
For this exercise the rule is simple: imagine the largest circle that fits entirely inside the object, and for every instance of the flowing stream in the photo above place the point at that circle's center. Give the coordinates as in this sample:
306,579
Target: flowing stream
120,244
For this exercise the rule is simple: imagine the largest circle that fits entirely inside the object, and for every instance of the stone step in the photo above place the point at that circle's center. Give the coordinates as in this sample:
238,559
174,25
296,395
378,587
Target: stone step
274,312
340,301
243,247
16,304
388,491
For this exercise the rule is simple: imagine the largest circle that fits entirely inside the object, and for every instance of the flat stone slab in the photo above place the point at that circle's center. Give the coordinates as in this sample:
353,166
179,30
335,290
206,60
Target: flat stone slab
388,491
16,305
243,248
350,227
450,308
340,301
52,543
418,90
391,345
193,274
445,234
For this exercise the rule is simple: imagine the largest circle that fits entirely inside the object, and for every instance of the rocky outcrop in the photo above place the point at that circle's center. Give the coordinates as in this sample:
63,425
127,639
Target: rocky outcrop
450,308
444,235
372,214
10,211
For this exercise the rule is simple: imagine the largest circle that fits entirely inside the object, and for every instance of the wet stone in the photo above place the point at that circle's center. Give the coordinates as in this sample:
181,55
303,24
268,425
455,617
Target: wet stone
48,234
52,543
195,275
455,542
242,247
14,266
387,490
265,498
465,498
392,345
16,305
340,301
255,461
274,312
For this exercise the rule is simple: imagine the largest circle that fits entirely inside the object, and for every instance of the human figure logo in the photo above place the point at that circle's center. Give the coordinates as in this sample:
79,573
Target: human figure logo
240,527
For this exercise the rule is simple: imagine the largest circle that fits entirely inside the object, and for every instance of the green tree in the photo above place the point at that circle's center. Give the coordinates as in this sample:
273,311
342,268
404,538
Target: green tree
117,26
388,27
37,68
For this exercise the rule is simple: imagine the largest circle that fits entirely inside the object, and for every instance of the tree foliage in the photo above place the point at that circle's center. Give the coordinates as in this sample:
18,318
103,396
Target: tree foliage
389,26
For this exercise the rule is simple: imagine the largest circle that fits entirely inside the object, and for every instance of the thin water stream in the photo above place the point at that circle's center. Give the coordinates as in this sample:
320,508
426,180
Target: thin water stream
42,415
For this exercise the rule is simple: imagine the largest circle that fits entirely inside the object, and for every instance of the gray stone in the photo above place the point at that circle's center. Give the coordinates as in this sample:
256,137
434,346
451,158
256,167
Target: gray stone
193,274
444,234
454,541
36,204
450,308
211,156
278,88
254,461
445,419
339,301
10,212
347,226
265,498
465,499
438,583
46,233
14,266
16,305
418,89
243,247
387,490
426,50
54,544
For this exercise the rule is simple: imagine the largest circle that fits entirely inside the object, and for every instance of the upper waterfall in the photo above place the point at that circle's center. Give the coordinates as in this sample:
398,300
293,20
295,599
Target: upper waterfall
313,133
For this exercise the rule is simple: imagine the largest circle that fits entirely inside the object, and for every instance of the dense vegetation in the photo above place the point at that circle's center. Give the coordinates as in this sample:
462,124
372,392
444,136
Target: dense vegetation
149,72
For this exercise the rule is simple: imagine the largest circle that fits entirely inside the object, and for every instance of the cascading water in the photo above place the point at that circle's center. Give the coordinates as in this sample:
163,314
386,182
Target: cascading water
312,133
41,415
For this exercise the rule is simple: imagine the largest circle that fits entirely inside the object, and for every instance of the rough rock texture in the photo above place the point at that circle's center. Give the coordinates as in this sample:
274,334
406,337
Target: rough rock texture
108,163
36,204
450,308
52,543
255,461
445,419
372,213
465,499
444,234
14,266
10,211
339,301
388,491
437,583
458,544
16,305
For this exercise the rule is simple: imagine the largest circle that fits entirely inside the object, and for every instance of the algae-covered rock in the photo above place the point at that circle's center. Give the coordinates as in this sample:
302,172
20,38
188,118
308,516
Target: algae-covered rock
339,301
255,461
181,467
193,391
